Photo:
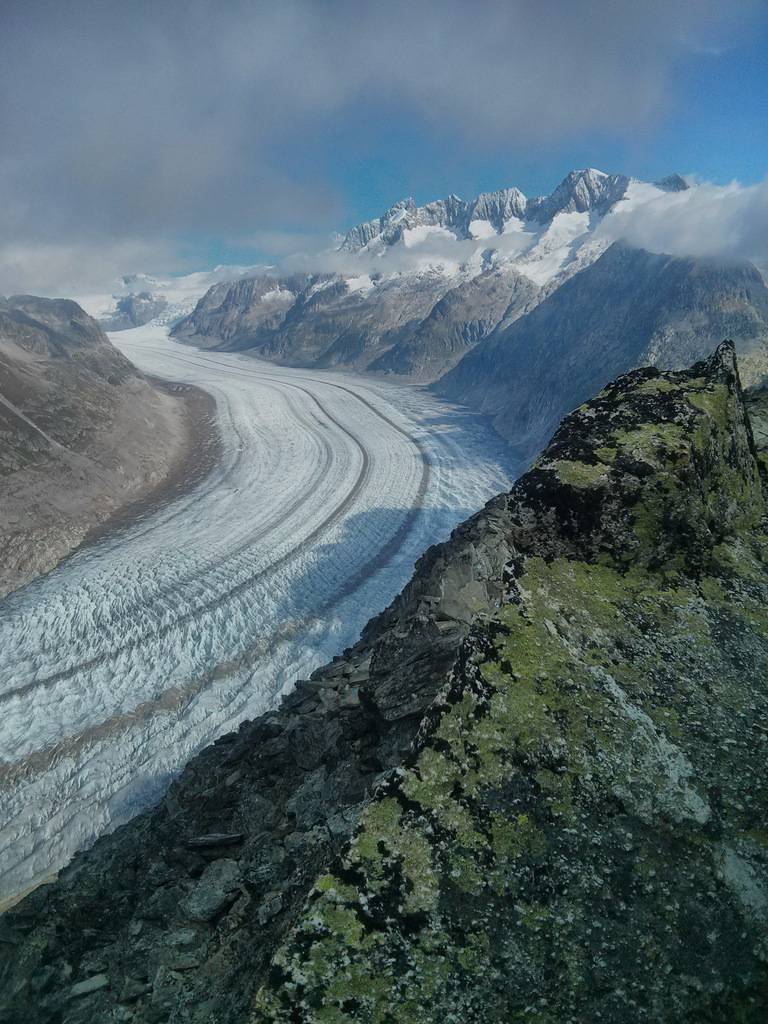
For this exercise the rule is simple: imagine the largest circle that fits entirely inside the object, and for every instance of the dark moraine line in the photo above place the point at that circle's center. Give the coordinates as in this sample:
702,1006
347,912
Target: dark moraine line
167,590
330,520
175,698
219,599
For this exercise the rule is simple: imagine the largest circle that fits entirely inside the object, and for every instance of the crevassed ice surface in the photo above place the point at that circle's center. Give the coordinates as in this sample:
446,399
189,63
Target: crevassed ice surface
134,653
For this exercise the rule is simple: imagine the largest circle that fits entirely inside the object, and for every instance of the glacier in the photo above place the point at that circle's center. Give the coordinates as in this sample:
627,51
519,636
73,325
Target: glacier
136,652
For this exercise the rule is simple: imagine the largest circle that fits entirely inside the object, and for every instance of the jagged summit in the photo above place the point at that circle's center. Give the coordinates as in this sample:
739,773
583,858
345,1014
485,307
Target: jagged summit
580,191
425,291
672,183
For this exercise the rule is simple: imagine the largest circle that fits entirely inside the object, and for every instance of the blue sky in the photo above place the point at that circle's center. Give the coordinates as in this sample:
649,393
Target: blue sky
176,134
714,125
717,128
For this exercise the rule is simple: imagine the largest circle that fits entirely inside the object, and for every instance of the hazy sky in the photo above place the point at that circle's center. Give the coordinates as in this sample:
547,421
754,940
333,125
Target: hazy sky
176,134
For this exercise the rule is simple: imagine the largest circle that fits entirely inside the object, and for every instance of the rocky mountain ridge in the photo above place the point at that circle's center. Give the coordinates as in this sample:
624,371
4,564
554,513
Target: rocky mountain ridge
533,787
452,291
581,191
491,215
629,308
370,309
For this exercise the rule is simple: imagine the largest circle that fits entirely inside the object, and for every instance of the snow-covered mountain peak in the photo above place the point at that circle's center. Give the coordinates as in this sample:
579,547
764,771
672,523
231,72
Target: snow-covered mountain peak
587,190
581,191
497,208
672,183
405,216
546,239
412,290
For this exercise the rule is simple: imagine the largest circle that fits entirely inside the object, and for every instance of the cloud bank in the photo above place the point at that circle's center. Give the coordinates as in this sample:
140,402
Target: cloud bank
723,222
149,124
708,221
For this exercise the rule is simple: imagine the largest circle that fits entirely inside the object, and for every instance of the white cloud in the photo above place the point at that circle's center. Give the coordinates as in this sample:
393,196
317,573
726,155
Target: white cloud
79,269
708,220
186,118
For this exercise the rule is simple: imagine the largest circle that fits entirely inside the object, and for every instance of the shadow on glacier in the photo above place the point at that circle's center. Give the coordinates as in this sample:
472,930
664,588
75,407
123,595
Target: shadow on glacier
329,607
319,614
396,538
471,430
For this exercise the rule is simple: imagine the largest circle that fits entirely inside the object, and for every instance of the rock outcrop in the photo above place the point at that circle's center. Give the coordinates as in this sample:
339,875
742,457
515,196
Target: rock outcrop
82,433
134,310
534,788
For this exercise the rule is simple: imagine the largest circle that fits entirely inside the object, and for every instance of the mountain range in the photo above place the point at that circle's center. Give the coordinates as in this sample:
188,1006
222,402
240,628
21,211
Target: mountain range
521,307
410,292
585,191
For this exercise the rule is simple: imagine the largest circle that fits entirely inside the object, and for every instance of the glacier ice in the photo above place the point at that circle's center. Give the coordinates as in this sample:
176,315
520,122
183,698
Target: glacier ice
134,653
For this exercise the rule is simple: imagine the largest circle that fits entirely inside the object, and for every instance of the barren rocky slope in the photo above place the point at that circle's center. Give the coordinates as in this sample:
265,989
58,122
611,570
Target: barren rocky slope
313,319
82,433
534,788
630,308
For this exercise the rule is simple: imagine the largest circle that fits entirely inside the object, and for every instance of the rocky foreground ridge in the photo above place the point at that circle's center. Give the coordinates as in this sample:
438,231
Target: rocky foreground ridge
534,790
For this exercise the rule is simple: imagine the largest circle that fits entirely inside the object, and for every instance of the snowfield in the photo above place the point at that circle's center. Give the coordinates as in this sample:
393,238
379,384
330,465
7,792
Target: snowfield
133,654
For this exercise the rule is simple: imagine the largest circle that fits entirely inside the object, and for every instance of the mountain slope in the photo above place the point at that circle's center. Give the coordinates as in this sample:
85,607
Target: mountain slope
411,291
314,320
462,317
574,825
630,308
83,433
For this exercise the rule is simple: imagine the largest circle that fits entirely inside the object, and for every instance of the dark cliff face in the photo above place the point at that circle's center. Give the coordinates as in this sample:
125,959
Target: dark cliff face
630,308
534,787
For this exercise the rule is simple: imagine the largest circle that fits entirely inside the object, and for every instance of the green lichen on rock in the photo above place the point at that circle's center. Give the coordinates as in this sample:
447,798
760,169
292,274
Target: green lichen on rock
580,474
577,835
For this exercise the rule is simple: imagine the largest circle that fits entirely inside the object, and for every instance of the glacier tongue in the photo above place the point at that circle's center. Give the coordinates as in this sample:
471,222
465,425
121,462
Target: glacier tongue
135,653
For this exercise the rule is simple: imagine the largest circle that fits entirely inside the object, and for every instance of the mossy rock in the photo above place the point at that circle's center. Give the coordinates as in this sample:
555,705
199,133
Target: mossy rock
579,833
